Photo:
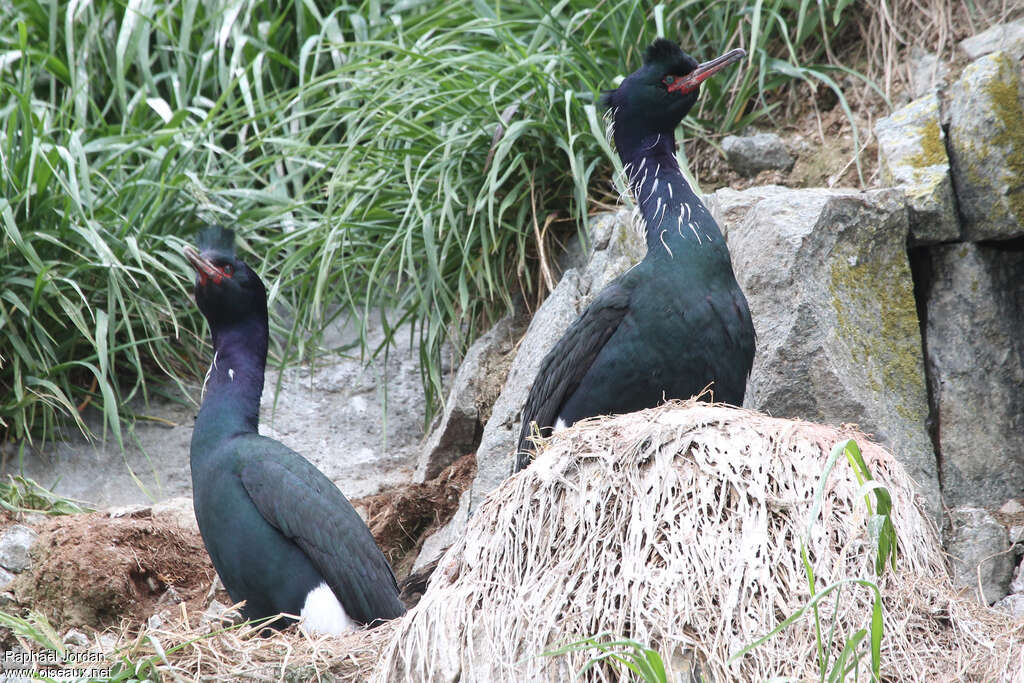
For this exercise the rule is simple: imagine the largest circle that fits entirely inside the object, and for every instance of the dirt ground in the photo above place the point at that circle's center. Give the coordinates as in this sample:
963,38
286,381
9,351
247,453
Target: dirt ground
94,572
402,518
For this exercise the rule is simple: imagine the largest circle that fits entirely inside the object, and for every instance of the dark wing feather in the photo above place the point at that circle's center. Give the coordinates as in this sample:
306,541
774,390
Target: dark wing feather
563,368
321,521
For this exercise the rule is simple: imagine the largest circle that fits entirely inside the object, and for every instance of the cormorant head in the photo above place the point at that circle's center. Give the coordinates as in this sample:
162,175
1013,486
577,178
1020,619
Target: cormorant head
655,98
227,290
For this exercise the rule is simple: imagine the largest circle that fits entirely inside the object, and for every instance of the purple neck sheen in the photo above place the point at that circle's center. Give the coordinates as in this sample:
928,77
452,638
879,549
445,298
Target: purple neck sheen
234,384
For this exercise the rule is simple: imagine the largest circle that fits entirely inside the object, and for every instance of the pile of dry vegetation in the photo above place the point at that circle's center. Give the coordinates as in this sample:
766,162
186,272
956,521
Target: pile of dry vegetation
678,527
681,527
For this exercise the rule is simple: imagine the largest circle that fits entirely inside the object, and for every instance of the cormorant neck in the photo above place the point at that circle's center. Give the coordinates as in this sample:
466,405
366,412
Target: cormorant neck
234,384
672,211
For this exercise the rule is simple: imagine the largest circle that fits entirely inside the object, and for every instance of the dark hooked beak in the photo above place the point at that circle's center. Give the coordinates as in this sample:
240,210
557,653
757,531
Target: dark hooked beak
691,81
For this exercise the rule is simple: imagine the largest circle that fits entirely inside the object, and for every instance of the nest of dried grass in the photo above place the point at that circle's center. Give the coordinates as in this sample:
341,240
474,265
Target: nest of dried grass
680,528
190,649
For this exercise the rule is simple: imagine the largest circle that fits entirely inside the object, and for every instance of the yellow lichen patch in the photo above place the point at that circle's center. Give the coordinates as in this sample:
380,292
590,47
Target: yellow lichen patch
1004,94
933,151
865,288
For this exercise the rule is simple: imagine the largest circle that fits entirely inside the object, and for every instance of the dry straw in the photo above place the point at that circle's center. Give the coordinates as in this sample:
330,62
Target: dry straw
190,649
680,527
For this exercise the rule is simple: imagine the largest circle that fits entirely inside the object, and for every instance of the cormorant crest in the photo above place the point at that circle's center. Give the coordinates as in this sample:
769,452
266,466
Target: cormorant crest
662,50
217,239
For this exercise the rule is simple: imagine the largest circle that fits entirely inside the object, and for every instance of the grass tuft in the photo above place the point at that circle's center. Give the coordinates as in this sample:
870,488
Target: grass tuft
22,494
373,157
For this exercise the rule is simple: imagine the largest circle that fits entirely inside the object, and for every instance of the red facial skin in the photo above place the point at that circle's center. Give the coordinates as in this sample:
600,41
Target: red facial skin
205,268
691,81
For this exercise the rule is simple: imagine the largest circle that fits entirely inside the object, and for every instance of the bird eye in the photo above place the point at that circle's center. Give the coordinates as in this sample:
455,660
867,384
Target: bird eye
668,80
228,270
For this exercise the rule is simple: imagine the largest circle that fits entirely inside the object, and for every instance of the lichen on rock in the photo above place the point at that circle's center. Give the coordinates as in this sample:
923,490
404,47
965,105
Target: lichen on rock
912,155
986,107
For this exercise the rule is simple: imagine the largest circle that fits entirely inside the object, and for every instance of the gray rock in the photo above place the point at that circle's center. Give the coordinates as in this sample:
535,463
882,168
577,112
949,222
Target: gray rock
475,388
171,596
1017,536
8,601
912,154
927,72
975,314
436,544
616,246
1017,585
829,286
134,510
1007,37
14,547
178,509
76,638
495,452
5,578
333,414
979,549
986,107
1011,507
1012,605
755,153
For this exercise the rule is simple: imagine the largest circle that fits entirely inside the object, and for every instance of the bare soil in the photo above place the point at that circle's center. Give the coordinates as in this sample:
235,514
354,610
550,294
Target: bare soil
403,517
97,572
93,570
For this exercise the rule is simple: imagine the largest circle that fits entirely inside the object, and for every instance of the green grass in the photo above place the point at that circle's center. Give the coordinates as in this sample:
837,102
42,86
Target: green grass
624,655
353,146
22,494
847,663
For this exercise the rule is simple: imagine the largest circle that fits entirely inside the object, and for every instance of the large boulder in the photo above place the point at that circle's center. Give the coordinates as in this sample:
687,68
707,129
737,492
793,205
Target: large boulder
830,290
975,315
360,422
615,246
986,107
912,152
1008,37
755,153
927,72
475,388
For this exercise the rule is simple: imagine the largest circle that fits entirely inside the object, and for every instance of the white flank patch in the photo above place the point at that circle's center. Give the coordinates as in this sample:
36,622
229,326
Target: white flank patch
322,613
559,424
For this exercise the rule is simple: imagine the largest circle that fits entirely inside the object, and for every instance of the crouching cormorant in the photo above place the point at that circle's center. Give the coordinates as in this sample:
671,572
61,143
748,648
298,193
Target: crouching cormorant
281,535
675,323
